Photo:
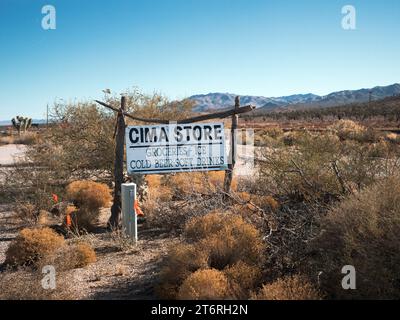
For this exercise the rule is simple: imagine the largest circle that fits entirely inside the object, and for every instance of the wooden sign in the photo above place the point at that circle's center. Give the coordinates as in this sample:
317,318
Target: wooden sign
170,148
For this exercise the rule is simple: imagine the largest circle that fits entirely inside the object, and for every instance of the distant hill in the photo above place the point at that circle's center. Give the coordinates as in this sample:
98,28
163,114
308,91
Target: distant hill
216,101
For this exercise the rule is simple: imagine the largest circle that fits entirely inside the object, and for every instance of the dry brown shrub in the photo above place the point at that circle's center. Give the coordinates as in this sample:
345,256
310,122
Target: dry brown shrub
27,212
71,257
32,245
153,180
89,197
26,285
199,228
288,288
216,241
346,129
227,239
89,194
197,182
182,260
243,279
207,284
362,231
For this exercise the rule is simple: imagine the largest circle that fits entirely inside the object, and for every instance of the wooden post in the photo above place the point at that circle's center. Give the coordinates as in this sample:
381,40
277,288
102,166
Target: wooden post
118,166
233,151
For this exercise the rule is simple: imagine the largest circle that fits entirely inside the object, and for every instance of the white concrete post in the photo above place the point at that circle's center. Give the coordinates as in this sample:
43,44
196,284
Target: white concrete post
129,217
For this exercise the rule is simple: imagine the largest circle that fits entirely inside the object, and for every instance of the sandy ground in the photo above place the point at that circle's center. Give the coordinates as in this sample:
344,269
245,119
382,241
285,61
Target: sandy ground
11,152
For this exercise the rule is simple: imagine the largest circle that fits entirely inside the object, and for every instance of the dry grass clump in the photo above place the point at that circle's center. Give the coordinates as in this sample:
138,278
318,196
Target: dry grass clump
291,138
184,184
224,242
181,261
27,285
243,278
288,288
71,257
89,194
89,197
363,231
346,129
226,237
32,245
207,284
27,212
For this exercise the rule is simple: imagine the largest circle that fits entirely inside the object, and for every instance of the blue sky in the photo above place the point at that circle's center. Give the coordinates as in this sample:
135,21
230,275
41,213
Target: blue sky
185,47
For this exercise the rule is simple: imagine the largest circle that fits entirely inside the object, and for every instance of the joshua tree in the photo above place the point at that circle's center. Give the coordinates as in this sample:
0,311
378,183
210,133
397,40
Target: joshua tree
21,123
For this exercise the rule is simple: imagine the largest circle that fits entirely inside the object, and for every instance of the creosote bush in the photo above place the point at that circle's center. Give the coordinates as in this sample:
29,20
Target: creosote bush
362,231
288,288
207,284
32,245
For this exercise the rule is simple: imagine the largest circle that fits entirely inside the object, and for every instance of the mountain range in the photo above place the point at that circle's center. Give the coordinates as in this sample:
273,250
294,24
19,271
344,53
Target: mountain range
217,101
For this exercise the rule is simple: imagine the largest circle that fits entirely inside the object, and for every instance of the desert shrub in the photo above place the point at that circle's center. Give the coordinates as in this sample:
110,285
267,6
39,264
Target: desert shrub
27,212
229,246
289,138
265,202
322,169
288,288
89,197
227,239
70,257
208,284
89,194
186,184
24,284
32,245
362,231
243,279
85,254
216,241
181,261
346,129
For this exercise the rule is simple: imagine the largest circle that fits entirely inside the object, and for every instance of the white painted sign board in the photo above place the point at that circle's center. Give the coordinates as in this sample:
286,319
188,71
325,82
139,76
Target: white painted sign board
175,148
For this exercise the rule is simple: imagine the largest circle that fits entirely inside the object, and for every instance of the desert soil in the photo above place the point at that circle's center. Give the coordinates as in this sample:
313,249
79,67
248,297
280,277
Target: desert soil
11,152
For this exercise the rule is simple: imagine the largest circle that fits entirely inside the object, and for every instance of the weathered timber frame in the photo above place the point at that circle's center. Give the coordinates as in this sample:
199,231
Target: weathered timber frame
119,146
